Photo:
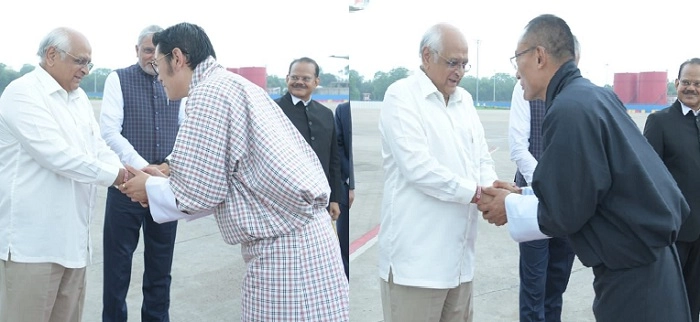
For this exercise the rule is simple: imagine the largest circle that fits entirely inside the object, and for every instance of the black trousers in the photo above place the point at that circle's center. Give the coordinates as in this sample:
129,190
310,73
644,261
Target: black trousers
123,222
343,227
689,254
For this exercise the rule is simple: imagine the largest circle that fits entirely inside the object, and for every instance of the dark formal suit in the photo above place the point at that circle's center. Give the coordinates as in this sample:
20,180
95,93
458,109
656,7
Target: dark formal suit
316,124
676,138
343,127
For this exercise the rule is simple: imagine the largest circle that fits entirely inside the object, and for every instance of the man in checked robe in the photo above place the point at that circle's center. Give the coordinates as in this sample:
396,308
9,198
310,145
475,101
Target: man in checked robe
239,157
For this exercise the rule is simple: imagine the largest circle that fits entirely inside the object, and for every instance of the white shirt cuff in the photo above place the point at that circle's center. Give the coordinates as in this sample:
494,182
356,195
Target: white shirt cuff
522,217
162,203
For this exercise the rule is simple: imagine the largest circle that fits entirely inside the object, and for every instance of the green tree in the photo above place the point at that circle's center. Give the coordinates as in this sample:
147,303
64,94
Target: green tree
94,82
26,69
671,89
382,81
276,84
7,75
327,80
355,83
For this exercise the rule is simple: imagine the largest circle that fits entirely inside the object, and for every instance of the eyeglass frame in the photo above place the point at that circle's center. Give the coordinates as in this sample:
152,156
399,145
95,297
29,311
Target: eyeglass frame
453,64
305,79
513,60
82,62
687,83
154,63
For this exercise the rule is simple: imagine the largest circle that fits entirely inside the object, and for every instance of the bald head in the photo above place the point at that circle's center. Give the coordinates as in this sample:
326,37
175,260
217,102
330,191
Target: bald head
435,37
62,38
444,56
66,55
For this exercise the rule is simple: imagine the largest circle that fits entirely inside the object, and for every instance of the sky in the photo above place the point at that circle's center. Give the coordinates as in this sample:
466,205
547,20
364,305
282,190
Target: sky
615,35
268,33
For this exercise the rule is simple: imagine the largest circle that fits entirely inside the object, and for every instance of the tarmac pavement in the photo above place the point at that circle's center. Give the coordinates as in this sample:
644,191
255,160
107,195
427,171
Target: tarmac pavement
496,282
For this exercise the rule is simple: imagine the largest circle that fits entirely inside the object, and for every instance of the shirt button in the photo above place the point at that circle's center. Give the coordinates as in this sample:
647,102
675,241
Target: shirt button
157,128
158,144
313,138
310,122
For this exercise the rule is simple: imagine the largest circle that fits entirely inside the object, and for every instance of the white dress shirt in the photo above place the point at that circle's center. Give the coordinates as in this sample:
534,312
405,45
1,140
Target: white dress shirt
51,158
687,109
296,100
434,158
112,119
519,134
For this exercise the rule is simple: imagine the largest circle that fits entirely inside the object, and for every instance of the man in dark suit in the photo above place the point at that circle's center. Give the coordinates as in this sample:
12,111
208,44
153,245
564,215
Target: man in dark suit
674,132
343,127
315,123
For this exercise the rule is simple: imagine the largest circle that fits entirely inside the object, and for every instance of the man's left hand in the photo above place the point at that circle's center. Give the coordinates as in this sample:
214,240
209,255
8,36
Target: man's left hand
135,188
351,197
492,205
334,210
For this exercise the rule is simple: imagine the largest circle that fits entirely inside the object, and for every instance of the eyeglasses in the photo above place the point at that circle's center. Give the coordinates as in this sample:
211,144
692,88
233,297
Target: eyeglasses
304,79
687,83
513,60
154,63
83,62
454,64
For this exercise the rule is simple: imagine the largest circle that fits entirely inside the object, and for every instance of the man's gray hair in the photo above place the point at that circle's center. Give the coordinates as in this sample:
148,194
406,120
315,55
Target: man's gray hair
146,32
433,40
58,38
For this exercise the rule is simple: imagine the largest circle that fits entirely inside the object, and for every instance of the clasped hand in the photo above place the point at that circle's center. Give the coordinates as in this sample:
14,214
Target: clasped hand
492,202
134,185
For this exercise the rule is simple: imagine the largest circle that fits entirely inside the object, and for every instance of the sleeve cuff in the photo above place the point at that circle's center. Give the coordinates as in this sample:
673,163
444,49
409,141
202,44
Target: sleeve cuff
163,204
522,217
108,175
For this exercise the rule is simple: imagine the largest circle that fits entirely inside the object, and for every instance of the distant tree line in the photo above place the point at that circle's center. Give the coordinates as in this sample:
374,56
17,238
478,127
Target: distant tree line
498,87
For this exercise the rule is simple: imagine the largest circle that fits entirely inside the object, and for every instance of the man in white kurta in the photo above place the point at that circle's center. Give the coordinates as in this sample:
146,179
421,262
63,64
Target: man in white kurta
435,160
52,158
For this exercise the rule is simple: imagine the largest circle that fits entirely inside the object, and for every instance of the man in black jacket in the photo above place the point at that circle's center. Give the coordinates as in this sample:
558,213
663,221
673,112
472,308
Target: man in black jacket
314,121
343,126
674,132
599,183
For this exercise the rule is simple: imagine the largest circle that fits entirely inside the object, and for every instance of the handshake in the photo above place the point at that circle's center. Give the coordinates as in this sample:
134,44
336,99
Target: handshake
492,201
132,182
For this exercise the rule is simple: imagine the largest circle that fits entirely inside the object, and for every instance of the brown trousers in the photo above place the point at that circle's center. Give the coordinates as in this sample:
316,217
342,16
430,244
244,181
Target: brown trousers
416,304
43,292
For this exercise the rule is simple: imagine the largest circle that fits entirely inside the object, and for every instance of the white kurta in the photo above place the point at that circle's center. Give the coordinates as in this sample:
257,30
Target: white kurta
435,155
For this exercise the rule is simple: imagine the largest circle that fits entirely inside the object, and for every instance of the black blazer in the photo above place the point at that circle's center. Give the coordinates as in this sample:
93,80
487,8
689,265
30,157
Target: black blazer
676,139
317,126
343,129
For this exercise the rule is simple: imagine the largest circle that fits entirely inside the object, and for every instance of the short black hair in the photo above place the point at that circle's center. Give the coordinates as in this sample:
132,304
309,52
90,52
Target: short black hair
552,33
304,60
190,38
694,61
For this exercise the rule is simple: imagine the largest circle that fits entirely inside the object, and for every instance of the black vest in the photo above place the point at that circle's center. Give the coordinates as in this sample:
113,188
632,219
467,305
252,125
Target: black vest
150,119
